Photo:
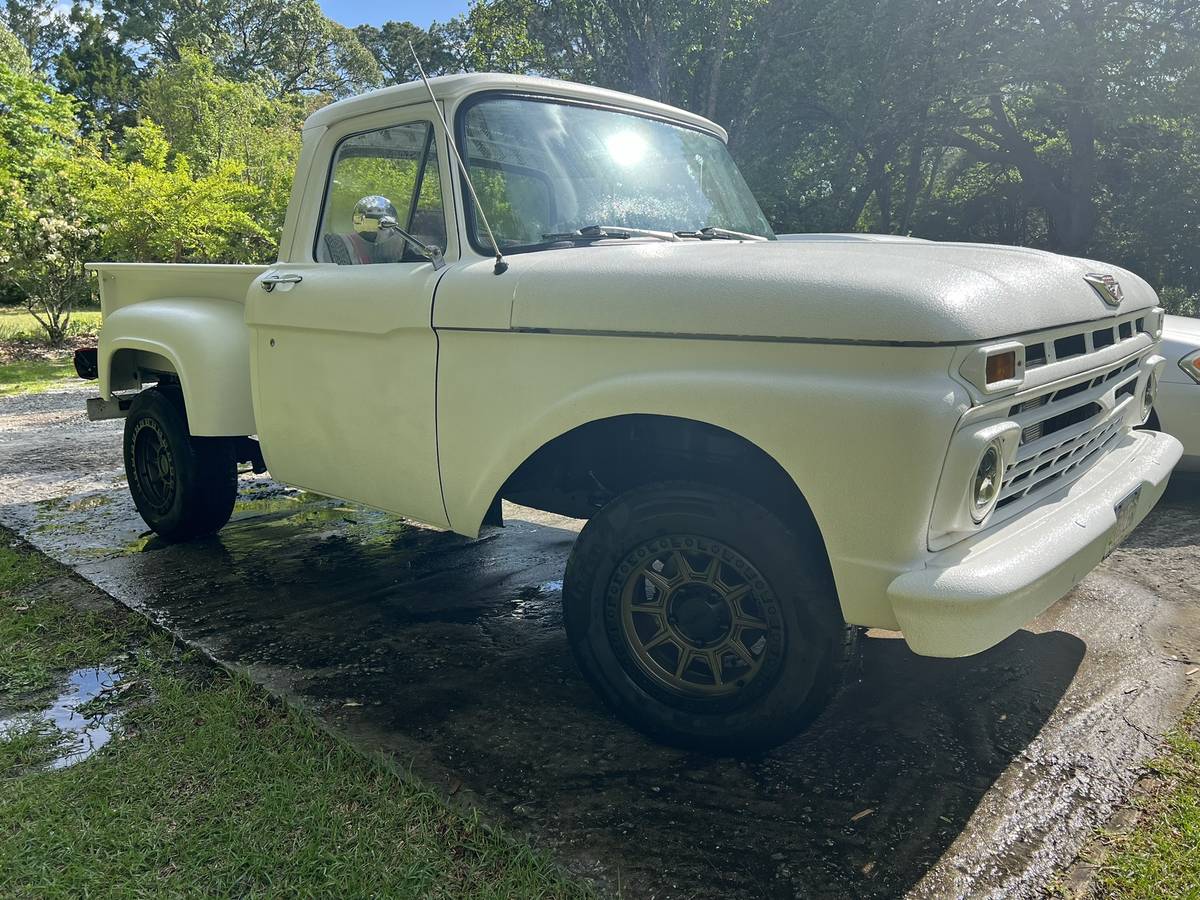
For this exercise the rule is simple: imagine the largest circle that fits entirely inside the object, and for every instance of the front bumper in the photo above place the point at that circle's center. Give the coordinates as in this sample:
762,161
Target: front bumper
976,593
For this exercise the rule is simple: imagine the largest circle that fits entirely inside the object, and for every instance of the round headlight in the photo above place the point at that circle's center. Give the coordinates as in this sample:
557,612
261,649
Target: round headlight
1149,393
985,484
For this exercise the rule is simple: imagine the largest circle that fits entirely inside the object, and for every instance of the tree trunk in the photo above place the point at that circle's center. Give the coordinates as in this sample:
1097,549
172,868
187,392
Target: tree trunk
1068,202
718,59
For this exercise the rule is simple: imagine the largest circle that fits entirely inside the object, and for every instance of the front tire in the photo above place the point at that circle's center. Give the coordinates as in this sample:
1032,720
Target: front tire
184,487
703,620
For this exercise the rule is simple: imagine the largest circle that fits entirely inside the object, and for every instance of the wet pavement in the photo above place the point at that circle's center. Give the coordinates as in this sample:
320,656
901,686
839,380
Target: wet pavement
936,777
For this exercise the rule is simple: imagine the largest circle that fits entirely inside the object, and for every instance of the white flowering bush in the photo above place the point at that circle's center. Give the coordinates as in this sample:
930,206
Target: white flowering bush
43,255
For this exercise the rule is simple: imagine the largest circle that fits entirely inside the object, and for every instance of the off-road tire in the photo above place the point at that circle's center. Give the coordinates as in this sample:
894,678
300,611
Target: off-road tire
801,667
191,491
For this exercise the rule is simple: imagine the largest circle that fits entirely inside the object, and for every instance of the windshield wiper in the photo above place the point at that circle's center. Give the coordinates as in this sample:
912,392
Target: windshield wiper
713,233
590,233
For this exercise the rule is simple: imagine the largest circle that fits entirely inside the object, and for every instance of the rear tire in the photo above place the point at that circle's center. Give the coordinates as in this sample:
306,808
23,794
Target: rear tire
184,487
703,620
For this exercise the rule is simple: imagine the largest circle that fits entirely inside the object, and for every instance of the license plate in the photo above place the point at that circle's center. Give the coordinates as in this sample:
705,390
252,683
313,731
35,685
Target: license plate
1125,509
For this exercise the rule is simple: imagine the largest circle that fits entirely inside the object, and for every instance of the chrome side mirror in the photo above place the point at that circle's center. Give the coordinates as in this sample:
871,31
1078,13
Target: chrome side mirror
431,252
369,213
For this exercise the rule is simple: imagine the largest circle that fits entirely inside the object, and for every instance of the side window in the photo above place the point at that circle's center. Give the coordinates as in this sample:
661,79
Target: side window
393,172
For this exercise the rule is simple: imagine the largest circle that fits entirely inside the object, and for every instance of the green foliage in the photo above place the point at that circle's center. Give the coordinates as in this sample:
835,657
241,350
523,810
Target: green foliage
389,45
35,123
13,52
1070,124
160,210
214,122
18,325
39,27
94,67
45,233
288,45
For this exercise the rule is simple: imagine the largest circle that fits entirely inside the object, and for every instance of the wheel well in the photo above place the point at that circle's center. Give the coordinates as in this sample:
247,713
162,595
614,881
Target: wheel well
580,471
130,368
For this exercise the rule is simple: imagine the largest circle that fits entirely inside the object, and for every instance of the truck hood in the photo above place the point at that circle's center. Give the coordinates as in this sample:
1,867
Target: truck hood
831,290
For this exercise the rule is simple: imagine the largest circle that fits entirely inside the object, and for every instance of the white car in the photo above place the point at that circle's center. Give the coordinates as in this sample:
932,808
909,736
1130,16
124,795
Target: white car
773,441
1177,409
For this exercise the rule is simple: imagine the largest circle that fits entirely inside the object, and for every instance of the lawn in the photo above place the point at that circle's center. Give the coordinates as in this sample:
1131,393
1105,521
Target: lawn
211,787
28,376
27,363
18,325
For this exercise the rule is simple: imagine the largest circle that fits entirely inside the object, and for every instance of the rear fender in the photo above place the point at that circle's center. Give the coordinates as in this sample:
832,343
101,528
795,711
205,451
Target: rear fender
203,341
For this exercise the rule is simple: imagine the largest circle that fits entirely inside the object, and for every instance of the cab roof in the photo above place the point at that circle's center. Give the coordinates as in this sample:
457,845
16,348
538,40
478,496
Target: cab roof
450,89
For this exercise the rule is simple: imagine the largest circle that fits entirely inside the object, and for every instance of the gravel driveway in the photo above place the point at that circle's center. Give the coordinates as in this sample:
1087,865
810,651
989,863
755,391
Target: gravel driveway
978,776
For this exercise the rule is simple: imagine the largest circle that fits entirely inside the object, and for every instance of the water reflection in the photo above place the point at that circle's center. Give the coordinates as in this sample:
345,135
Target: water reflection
84,725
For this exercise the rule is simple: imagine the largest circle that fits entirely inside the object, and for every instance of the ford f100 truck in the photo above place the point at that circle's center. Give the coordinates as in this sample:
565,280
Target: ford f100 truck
774,442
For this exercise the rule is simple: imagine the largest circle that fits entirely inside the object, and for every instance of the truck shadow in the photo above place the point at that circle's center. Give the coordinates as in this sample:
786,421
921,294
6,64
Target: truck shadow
449,653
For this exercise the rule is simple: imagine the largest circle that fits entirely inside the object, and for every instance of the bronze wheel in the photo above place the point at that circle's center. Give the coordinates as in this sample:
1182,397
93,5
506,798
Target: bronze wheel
701,618
695,615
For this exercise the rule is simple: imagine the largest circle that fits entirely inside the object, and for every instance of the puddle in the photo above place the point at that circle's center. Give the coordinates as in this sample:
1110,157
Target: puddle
82,731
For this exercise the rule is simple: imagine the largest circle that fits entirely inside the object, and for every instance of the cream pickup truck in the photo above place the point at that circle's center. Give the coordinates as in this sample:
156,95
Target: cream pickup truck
775,442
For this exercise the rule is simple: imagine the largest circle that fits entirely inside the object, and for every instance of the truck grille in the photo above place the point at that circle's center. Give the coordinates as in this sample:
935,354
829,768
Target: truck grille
1066,429
1072,341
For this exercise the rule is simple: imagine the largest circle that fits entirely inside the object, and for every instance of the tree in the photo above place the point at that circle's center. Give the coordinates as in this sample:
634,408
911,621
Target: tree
296,48
214,121
1048,88
44,259
13,52
38,26
289,45
159,210
389,45
95,68
45,236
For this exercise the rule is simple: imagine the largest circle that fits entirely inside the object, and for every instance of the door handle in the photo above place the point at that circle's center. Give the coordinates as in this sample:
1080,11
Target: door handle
268,282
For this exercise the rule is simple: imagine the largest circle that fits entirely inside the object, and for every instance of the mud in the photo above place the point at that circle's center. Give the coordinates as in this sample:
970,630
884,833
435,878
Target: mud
936,777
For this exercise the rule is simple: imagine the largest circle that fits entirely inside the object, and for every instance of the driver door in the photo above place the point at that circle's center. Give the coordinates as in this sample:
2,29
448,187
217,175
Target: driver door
343,355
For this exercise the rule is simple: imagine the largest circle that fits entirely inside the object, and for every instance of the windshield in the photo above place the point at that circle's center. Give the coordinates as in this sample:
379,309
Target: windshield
544,168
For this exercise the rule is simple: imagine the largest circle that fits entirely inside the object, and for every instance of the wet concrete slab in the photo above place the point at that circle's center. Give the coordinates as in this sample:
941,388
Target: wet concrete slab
931,777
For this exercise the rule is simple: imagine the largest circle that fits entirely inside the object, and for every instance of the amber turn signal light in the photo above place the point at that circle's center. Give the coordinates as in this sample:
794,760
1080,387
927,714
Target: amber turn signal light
1001,367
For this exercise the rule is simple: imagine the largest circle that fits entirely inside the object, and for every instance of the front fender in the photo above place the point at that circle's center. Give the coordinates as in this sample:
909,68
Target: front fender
862,431
204,341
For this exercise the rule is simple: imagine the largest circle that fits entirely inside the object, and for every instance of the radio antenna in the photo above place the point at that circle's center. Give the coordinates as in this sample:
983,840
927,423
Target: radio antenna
501,265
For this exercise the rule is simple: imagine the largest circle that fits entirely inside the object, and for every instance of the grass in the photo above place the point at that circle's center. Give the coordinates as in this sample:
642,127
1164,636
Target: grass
30,376
18,325
214,788
1160,855
28,372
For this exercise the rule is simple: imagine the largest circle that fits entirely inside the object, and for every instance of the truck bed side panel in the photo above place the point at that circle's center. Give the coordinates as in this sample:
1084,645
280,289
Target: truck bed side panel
201,337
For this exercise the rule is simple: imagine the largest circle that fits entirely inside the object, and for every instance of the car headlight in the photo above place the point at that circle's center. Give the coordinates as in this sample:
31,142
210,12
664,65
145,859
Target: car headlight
986,481
1149,393
1191,365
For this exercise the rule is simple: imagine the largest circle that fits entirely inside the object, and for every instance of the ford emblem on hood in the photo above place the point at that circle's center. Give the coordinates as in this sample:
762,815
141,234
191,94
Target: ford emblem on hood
1107,287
